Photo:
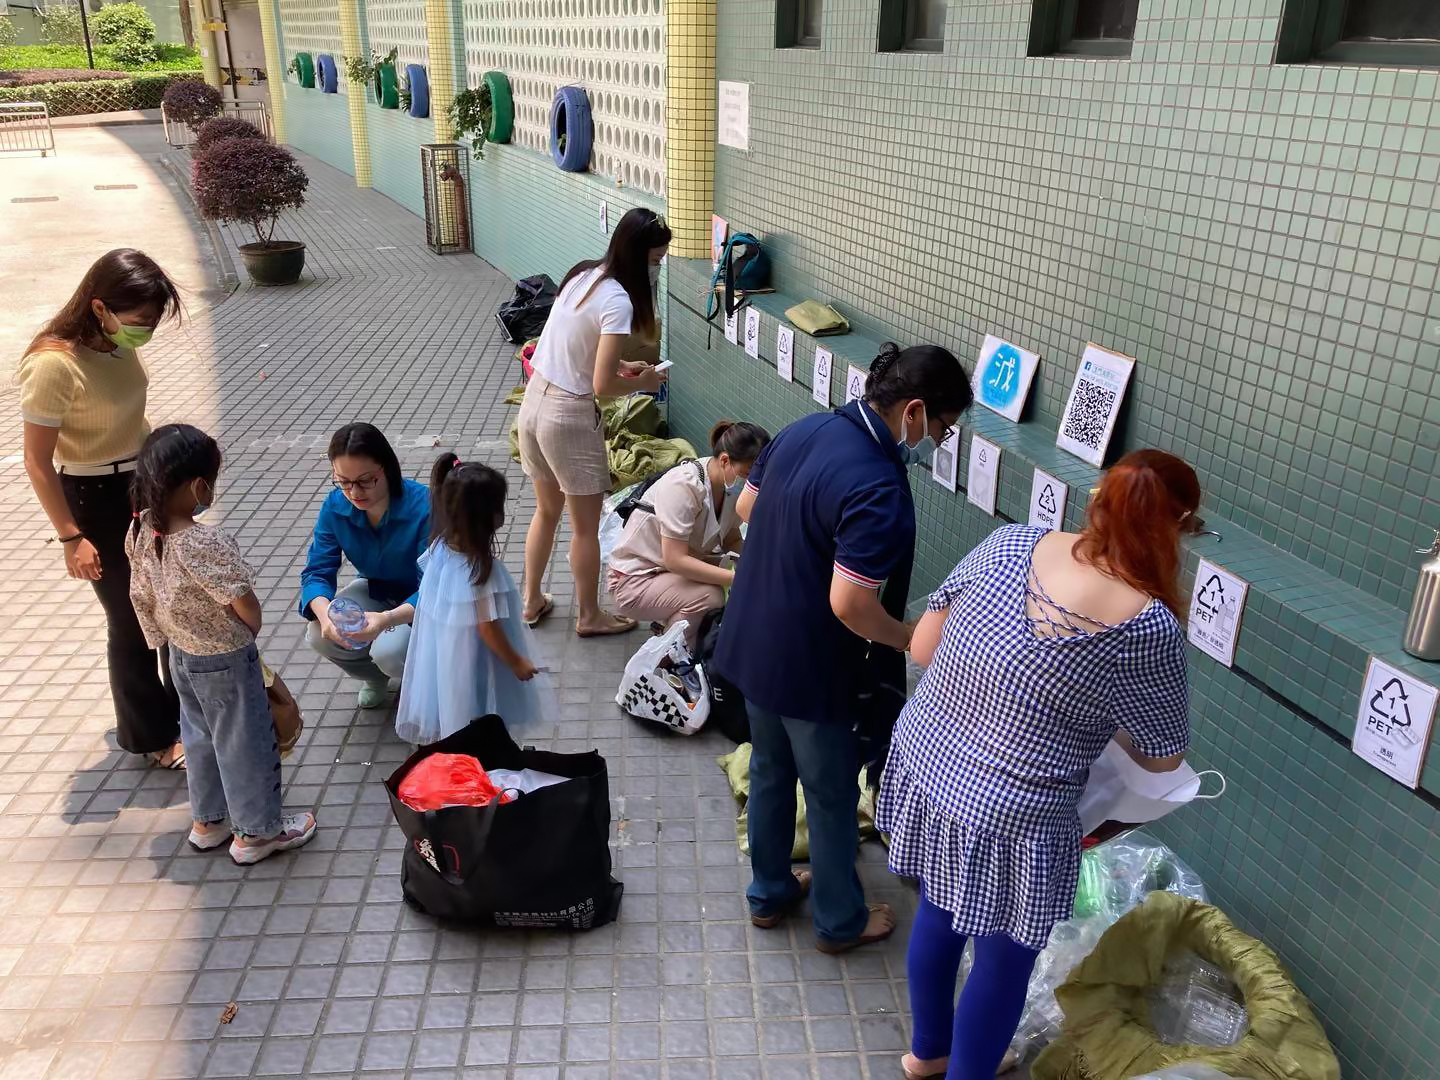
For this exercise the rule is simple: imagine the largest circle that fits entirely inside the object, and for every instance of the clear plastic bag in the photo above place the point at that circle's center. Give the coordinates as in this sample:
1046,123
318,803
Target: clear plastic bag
1189,1072
1196,1004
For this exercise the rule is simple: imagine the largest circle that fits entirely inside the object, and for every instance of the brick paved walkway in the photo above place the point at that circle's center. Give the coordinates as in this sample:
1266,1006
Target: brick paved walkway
120,947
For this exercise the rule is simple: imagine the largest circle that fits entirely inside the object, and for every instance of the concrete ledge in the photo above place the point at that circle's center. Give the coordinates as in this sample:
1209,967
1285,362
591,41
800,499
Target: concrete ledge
123,118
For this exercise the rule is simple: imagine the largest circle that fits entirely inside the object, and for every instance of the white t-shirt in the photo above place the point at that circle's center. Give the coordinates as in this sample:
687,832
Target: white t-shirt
565,354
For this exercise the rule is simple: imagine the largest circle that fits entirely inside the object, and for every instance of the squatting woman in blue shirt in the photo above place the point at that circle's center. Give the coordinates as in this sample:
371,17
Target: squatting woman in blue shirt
380,521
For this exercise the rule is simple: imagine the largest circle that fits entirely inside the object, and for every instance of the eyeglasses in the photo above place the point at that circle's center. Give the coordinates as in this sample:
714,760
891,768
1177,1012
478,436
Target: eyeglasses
945,438
362,483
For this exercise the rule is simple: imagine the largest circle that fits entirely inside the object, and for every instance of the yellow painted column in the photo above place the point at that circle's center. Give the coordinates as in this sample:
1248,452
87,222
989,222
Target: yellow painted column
274,69
690,124
440,45
205,42
350,45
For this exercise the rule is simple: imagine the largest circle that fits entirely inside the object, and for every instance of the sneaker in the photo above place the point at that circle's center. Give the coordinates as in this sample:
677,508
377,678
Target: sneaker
211,838
295,831
374,694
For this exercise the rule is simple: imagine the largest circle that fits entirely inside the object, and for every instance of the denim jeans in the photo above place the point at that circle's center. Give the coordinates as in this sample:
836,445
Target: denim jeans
822,756
383,658
232,762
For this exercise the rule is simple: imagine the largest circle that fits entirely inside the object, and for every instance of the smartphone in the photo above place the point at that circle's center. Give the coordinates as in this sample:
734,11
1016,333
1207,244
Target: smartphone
665,365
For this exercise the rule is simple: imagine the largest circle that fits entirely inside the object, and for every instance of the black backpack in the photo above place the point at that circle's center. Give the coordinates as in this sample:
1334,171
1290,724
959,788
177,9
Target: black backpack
636,499
523,316
727,704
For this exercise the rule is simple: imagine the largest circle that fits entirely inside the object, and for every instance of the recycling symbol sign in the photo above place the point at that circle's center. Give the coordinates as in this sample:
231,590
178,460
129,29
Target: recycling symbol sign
1392,726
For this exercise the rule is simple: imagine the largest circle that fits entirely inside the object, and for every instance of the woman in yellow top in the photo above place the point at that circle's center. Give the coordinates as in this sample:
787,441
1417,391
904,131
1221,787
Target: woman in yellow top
82,397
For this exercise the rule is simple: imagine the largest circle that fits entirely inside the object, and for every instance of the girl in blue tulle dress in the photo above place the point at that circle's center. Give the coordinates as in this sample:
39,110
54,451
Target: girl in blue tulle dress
470,652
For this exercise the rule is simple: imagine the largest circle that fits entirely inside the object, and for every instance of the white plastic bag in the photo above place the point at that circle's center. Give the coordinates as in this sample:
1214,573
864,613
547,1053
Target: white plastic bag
1120,790
523,781
647,694
1194,1071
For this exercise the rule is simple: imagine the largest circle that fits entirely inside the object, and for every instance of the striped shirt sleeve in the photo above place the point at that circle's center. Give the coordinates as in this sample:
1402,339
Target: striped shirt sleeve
47,388
866,547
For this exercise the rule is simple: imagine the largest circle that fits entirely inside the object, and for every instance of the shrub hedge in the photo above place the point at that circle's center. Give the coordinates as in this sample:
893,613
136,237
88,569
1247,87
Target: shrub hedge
99,95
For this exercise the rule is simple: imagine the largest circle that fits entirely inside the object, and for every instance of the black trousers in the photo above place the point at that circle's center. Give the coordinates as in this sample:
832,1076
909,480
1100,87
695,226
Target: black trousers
147,709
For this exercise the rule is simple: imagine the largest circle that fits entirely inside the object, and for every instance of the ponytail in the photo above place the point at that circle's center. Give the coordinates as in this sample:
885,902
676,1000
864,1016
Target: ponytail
1134,523
172,457
926,373
741,441
467,500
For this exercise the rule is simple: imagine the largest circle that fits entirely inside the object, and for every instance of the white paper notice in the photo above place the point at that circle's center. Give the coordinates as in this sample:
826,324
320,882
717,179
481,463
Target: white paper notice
1003,376
1047,501
1392,730
983,476
604,217
820,383
752,333
732,327
946,462
734,125
1089,417
785,353
854,384
1216,604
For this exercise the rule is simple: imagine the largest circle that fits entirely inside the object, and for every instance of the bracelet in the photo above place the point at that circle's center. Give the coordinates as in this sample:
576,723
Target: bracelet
66,539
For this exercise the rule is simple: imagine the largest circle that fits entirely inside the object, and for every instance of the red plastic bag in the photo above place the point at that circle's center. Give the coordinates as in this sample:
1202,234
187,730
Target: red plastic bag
442,780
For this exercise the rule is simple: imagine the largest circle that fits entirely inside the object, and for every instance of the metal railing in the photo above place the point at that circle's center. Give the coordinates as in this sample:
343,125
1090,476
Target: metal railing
25,126
181,136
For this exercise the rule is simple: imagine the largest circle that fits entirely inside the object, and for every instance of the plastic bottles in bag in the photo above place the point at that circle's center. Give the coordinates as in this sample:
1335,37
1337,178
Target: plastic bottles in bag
1196,1003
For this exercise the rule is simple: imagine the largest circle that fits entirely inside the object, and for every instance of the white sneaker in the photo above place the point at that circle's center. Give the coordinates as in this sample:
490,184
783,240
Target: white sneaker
295,831
211,838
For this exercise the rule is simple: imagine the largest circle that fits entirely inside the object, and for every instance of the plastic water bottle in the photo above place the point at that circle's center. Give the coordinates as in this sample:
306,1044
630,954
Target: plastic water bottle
348,618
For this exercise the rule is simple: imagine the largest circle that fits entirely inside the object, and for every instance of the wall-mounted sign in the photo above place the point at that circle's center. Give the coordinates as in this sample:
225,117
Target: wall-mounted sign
1089,417
820,382
732,327
1392,730
1216,604
946,462
983,477
733,128
854,384
1003,376
605,217
785,353
752,332
1047,501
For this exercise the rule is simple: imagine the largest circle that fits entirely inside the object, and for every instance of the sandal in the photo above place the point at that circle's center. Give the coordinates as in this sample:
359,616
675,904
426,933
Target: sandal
803,878
621,625
157,758
547,605
835,948
914,1074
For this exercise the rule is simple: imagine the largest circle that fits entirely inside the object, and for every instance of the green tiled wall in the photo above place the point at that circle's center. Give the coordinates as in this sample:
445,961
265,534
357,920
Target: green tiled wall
319,124
395,141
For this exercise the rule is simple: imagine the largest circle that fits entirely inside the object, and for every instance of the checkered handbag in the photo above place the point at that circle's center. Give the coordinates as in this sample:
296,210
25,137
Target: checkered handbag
646,694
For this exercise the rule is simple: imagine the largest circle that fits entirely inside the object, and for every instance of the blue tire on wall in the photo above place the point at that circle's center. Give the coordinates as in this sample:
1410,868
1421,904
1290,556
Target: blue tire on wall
570,118
419,90
325,70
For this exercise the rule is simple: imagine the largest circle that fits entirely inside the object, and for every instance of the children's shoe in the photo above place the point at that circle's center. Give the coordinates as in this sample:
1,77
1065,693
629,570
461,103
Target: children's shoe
295,831
374,694
211,838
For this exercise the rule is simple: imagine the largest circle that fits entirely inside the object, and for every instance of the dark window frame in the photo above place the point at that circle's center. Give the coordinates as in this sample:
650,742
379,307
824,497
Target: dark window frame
897,30
789,24
1052,24
1310,32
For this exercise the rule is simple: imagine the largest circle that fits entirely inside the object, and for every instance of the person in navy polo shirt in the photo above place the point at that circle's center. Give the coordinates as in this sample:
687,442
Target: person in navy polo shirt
831,520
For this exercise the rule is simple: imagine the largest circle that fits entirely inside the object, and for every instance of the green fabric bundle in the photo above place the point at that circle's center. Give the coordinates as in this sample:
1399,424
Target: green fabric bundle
736,765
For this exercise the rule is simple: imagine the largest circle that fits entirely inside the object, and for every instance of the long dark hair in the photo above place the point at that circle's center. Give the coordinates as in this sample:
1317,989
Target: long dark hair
627,260
172,456
926,373
466,502
1146,500
365,440
124,280
739,439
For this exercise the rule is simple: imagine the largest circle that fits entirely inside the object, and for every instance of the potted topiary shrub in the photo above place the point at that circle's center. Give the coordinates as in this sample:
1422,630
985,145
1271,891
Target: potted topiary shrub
191,102
252,182
226,127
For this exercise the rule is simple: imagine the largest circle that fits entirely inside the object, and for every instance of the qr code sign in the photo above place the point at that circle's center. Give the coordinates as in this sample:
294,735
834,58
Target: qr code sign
1089,412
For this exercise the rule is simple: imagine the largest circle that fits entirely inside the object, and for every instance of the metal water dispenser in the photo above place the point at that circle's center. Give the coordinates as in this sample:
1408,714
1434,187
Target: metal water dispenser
1422,632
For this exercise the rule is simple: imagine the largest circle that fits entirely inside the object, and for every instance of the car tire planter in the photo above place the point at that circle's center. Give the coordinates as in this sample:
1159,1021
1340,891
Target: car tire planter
419,90
387,87
306,63
329,84
572,132
502,108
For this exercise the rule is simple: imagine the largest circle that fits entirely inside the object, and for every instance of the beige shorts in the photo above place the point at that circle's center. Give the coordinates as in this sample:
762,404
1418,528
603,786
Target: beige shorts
562,441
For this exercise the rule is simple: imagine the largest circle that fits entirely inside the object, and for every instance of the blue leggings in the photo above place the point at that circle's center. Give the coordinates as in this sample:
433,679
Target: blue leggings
975,1033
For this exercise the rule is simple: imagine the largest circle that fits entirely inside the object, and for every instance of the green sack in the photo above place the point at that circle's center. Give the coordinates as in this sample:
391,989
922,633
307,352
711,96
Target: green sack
1107,1034
736,765
817,319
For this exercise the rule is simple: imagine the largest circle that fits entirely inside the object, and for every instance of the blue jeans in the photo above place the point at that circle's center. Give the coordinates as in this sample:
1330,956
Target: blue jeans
232,762
822,756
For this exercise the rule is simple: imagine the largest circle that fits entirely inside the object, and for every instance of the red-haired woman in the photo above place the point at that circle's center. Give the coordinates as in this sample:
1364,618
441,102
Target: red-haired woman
1040,647
82,397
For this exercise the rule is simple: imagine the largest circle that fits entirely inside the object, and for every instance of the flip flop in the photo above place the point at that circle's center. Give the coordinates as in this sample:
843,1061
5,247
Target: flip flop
546,608
804,879
622,626
835,948
157,760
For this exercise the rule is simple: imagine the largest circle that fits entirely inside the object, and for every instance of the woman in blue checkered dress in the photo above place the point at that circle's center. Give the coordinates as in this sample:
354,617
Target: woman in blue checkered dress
1040,648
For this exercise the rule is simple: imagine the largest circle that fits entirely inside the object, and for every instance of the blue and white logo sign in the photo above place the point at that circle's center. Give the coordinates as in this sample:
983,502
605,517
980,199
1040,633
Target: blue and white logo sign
1003,376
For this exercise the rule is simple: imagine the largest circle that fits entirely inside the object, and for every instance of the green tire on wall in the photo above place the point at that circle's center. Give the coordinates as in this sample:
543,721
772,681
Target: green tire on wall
307,69
387,87
502,108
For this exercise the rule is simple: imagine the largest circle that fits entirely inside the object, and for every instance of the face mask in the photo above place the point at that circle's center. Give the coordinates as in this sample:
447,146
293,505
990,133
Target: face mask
131,337
923,450
654,275
201,507
735,487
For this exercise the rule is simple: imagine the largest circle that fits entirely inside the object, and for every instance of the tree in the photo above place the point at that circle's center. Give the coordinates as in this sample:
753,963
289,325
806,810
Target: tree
115,22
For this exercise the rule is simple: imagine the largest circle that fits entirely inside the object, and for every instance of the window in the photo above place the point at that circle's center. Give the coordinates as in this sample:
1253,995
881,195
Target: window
797,24
912,26
1367,31
1083,27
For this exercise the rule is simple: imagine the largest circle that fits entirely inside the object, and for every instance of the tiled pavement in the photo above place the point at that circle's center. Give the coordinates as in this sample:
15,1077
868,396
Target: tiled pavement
120,947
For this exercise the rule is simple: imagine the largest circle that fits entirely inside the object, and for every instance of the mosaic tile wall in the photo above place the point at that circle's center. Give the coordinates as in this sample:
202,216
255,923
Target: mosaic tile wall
313,26
397,24
1263,239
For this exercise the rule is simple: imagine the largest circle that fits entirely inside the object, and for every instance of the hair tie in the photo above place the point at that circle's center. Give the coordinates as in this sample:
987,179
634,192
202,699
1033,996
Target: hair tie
457,464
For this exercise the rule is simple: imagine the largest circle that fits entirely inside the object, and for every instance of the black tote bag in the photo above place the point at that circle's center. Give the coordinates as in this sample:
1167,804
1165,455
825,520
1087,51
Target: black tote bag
541,861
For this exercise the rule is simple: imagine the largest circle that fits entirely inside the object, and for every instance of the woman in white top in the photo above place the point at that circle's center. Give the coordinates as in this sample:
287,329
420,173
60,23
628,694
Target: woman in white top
562,441
667,565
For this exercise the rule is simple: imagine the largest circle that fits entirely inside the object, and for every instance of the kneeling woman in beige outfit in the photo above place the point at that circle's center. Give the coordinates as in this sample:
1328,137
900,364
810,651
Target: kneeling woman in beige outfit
562,441
666,566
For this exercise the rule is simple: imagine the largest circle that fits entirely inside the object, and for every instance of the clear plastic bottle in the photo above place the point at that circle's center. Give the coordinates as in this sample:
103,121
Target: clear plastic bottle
348,618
